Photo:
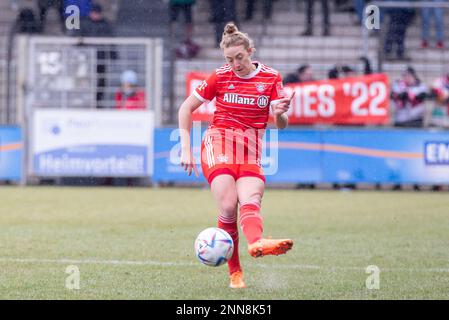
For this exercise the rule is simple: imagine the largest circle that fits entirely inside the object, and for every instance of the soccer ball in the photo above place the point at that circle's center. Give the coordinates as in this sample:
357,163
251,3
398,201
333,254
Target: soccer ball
213,247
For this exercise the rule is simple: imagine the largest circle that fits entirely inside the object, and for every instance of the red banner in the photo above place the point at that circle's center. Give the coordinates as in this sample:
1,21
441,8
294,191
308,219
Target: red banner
351,101
206,110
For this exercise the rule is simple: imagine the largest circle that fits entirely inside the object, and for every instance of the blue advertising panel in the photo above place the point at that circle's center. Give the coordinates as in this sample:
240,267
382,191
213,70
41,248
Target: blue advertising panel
298,158
386,156
11,150
167,149
340,155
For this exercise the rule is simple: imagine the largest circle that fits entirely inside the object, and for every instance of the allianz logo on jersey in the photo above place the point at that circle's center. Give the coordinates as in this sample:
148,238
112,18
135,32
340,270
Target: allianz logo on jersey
261,101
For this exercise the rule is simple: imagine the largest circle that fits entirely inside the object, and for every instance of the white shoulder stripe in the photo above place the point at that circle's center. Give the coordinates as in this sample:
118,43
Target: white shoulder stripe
224,68
223,71
269,70
197,95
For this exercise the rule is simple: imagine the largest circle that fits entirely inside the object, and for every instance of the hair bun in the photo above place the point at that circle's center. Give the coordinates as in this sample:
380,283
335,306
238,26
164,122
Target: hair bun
230,28
233,37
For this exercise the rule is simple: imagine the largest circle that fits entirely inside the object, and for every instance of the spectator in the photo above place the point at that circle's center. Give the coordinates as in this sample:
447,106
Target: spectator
44,5
440,90
366,65
303,74
400,19
348,71
223,11
267,9
95,25
188,49
438,14
344,71
26,22
408,95
310,16
334,73
130,96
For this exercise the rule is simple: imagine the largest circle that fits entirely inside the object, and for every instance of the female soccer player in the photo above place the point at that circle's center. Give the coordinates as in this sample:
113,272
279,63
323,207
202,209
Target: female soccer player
231,149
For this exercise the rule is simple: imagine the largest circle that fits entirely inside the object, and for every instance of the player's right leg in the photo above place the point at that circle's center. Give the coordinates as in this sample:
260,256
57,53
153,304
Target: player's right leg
225,194
220,172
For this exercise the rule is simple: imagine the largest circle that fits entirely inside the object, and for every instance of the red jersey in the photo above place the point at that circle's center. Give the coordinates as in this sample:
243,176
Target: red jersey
134,102
441,89
241,102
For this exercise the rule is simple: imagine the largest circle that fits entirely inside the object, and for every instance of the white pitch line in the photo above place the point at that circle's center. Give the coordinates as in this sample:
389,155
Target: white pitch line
192,264
91,261
337,268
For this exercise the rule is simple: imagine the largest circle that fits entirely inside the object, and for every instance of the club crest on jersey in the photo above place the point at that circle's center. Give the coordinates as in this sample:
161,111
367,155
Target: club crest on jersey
260,87
222,158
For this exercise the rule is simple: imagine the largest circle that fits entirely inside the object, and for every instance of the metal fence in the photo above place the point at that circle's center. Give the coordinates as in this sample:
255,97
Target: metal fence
65,72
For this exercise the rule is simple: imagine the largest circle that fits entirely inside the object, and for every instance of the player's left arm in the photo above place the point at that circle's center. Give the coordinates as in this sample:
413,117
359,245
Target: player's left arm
280,104
279,111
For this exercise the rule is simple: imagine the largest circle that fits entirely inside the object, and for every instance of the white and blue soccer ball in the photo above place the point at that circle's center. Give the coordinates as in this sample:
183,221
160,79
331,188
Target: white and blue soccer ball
214,247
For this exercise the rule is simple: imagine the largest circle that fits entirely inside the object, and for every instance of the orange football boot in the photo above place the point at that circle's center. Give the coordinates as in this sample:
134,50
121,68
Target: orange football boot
264,247
237,280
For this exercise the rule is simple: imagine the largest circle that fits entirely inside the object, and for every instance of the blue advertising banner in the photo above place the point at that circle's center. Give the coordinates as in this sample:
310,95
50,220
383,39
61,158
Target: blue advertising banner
166,164
340,155
11,150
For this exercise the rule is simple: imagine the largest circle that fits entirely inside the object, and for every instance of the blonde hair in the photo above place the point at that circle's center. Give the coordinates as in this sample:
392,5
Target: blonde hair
232,37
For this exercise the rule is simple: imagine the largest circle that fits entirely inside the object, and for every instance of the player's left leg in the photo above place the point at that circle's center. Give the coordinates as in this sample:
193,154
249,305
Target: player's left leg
250,190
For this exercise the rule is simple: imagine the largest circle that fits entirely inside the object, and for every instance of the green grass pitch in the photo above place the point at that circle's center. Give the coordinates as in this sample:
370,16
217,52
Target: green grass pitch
137,243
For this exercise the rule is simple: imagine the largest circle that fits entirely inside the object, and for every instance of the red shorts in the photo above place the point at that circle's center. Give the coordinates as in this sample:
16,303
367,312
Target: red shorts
222,155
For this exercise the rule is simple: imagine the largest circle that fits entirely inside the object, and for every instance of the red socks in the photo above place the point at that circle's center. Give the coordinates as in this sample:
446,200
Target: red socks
230,226
251,222
252,227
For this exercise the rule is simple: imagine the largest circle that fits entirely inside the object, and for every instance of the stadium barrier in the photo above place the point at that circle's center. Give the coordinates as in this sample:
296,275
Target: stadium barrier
343,155
11,154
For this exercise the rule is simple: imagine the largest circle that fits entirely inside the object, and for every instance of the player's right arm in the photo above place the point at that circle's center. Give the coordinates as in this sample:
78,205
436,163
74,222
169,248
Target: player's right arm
203,93
185,125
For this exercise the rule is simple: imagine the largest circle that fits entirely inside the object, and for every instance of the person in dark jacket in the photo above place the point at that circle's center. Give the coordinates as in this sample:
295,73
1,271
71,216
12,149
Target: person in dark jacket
222,12
267,9
400,19
96,25
310,15
44,6
303,74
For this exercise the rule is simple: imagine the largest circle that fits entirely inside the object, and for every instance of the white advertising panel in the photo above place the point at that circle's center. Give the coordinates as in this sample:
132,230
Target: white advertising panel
95,143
